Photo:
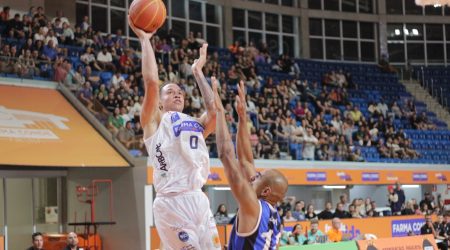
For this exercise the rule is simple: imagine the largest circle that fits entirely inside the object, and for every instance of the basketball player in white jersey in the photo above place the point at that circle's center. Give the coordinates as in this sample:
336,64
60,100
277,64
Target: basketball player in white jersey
177,151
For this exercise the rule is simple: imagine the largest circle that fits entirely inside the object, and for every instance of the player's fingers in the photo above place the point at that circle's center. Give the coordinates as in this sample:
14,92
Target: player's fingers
241,92
130,22
242,87
238,101
214,83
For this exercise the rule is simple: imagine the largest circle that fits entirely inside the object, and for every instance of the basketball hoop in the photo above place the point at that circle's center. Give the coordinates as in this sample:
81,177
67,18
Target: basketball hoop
86,192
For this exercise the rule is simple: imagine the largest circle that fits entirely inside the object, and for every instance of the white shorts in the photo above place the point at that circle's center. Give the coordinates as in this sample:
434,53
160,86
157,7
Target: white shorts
185,222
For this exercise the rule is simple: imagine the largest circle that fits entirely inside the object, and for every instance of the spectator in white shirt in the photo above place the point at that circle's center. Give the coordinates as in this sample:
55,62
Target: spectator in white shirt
40,36
104,59
116,79
51,36
251,107
382,108
309,145
60,16
337,124
85,24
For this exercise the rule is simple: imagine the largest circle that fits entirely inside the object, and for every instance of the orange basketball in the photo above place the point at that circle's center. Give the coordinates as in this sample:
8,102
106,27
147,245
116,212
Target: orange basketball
148,15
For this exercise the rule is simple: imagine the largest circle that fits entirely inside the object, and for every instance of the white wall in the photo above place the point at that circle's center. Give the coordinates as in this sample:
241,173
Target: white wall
379,193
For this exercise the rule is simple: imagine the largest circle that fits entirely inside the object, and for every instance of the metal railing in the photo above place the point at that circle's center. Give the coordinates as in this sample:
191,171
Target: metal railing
436,91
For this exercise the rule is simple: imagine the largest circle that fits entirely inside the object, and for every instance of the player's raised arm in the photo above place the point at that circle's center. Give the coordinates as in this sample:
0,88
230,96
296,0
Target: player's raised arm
208,119
244,148
150,114
240,186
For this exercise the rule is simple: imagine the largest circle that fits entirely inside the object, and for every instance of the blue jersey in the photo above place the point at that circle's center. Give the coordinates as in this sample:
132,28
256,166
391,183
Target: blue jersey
265,235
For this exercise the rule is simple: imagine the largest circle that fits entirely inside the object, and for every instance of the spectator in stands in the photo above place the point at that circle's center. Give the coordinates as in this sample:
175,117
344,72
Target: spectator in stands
51,37
417,210
409,209
428,201
85,24
425,209
428,227
37,241
72,242
335,233
288,203
61,69
441,229
26,66
299,211
340,212
382,108
127,65
356,114
297,237
49,52
4,15
310,214
288,217
126,136
401,197
117,79
115,121
353,212
105,60
383,150
67,37
309,144
221,215
78,79
367,205
313,235
373,211
396,110
326,214
86,96
343,198
16,26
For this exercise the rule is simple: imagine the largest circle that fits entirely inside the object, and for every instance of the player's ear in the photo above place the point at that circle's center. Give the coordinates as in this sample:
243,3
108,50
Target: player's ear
266,191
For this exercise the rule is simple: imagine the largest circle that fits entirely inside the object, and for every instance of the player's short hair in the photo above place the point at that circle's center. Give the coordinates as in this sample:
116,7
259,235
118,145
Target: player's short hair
33,236
167,83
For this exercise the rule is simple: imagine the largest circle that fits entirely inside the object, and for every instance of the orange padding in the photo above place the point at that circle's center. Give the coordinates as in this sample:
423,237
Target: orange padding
406,243
339,176
59,241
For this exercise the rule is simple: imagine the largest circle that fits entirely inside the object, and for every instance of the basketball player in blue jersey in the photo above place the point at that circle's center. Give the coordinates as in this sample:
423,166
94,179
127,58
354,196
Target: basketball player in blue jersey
177,151
257,225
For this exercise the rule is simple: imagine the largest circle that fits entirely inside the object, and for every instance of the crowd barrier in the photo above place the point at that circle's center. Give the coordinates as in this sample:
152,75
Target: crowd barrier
421,242
381,227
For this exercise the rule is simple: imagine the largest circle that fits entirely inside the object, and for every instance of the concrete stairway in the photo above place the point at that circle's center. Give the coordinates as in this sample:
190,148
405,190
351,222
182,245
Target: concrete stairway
413,87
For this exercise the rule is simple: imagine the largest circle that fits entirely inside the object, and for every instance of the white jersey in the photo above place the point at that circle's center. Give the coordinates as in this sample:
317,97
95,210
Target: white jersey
178,153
